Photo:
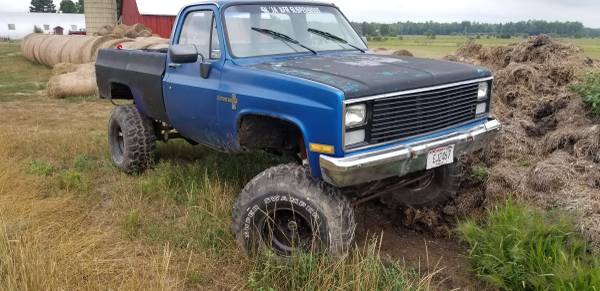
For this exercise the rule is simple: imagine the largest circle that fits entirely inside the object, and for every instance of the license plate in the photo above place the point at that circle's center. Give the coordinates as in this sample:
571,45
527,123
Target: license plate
440,156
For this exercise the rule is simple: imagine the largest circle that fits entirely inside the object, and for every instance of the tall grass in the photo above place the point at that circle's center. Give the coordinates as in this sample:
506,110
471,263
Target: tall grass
518,248
362,269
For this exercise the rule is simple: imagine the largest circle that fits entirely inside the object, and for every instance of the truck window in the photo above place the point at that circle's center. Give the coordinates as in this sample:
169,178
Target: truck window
294,21
199,28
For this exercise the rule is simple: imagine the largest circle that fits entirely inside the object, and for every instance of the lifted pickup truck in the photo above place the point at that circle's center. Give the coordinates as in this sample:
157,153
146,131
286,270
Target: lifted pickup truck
295,78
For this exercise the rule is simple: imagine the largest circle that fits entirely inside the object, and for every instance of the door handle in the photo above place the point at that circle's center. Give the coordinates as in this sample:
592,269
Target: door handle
174,66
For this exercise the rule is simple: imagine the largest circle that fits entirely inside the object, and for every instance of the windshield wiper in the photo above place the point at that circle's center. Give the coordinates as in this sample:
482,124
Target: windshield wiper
282,37
335,38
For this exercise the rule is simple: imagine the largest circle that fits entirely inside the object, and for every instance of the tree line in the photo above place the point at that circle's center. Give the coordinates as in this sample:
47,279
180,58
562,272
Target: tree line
510,29
65,6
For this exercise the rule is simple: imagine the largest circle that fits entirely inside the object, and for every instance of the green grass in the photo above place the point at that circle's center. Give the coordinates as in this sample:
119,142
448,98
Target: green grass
444,45
20,78
480,173
363,269
589,90
41,168
518,248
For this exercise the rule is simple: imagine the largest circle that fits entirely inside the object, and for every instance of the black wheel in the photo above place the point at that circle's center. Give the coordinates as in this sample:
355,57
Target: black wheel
284,210
131,138
431,187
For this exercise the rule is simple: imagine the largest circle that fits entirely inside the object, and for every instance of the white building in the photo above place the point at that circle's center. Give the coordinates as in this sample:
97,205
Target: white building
16,25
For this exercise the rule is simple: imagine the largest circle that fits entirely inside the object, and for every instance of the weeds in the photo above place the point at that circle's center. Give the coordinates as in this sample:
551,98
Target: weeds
41,168
523,249
589,90
362,269
72,180
480,173
82,163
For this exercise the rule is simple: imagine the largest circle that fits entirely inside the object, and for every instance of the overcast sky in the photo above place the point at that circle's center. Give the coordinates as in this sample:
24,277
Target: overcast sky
586,11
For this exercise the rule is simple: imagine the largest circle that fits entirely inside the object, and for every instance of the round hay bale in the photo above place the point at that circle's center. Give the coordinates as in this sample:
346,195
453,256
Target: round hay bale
403,53
81,82
110,44
105,30
63,68
55,48
73,52
90,50
159,46
40,49
28,44
120,30
144,43
37,43
145,33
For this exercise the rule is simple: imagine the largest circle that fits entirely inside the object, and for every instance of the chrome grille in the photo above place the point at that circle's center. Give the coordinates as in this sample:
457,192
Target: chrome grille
403,116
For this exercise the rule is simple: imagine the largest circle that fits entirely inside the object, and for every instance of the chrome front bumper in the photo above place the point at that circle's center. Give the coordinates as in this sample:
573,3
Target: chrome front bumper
404,159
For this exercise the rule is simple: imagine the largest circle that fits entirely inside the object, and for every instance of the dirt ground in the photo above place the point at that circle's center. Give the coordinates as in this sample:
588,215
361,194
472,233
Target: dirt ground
426,252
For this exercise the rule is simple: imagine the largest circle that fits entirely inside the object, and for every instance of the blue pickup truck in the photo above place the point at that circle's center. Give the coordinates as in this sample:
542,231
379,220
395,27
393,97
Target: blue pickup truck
295,78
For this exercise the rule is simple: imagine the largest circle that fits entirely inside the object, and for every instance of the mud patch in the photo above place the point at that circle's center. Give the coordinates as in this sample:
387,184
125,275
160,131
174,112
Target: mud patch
424,253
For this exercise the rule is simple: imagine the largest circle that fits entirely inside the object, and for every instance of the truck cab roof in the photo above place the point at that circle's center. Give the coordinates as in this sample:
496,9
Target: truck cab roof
222,3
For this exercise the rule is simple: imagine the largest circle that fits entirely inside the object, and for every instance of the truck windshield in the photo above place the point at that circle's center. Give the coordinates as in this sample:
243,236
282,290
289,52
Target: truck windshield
247,26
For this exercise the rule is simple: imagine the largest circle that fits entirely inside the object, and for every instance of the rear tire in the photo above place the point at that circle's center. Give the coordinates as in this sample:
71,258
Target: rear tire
284,210
131,138
437,186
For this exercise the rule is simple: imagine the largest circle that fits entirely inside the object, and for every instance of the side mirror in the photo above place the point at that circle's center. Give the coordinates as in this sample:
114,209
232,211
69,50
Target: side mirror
183,53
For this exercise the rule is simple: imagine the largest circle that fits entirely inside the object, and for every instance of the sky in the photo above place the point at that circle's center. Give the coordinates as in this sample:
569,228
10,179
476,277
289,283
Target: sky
585,11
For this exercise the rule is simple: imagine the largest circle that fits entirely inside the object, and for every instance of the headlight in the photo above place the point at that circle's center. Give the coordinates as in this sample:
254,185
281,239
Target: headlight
356,115
483,91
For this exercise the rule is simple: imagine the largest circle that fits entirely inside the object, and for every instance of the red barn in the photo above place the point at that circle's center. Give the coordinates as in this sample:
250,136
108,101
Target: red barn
159,16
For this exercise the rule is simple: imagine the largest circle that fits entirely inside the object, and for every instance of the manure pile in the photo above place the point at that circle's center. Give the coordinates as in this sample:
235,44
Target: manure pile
549,150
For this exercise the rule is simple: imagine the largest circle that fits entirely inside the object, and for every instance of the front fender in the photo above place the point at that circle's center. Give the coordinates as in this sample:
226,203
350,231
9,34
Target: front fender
315,109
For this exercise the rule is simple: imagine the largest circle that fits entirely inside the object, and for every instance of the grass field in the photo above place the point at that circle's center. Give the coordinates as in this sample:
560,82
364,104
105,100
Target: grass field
445,45
69,220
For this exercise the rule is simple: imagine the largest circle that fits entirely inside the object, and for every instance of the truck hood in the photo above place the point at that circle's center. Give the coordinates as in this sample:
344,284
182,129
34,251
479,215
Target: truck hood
360,75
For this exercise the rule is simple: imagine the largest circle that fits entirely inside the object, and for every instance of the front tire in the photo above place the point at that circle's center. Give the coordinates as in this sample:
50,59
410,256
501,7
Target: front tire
131,138
284,210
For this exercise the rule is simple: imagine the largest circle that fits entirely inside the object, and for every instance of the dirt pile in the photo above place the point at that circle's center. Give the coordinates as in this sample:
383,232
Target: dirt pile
549,150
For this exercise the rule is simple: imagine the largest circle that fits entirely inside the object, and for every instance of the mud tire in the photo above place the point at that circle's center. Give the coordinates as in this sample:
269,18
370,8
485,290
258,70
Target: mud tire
131,139
443,188
291,188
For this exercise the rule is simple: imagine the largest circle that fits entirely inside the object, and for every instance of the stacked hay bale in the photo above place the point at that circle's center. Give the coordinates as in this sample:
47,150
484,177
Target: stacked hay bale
73,57
76,49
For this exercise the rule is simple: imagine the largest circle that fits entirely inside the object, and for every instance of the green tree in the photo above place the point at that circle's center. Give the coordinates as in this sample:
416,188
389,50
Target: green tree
385,29
42,6
80,6
67,6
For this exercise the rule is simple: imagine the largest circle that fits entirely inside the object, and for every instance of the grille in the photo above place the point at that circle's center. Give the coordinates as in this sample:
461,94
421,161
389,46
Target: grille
408,115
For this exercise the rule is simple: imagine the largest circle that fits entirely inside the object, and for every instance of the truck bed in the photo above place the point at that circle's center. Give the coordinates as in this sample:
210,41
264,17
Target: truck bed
137,74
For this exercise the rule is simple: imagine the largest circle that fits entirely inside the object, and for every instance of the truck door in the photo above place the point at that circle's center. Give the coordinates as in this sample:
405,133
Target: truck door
190,99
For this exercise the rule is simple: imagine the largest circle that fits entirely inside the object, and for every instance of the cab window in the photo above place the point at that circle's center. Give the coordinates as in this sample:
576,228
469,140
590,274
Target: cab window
200,28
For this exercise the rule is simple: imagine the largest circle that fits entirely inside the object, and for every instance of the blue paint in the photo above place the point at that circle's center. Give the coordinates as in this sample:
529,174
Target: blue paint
196,109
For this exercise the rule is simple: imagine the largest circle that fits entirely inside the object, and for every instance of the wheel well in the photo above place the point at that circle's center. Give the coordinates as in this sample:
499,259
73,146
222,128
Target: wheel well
120,91
272,134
